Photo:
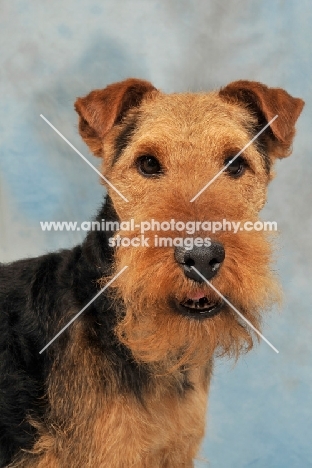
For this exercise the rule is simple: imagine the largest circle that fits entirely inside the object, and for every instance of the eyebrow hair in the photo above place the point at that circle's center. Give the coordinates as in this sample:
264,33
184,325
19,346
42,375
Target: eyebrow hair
261,142
124,137
261,148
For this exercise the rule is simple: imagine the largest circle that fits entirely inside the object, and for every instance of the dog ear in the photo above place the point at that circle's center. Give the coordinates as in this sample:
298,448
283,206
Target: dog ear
265,103
101,109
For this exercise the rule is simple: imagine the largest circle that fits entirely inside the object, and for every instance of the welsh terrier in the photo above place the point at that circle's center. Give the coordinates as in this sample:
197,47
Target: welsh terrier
126,383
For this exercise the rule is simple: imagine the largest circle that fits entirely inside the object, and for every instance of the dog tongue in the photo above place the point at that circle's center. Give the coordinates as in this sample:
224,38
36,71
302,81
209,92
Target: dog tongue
197,296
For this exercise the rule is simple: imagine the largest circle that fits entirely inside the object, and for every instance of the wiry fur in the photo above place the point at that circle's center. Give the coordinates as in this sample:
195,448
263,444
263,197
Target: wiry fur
126,384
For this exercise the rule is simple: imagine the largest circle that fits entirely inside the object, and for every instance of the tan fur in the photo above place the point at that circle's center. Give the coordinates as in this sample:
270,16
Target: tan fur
185,143
191,135
112,430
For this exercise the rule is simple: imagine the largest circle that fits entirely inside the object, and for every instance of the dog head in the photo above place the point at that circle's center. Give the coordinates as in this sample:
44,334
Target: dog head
186,160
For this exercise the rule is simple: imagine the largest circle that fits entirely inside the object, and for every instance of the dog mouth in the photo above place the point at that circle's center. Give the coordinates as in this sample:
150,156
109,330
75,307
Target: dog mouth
199,307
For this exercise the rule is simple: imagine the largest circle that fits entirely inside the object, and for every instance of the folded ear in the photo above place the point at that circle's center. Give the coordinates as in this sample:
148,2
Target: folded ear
265,103
101,109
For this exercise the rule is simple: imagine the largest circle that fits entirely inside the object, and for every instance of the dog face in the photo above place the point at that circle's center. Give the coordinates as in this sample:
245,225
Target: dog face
159,151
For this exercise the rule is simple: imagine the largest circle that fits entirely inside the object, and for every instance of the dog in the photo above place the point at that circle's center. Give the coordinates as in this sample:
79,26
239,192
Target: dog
126,383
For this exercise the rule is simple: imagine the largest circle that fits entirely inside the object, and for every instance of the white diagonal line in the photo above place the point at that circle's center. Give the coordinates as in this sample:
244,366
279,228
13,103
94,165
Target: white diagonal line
84,308
84,158
233,159
235,310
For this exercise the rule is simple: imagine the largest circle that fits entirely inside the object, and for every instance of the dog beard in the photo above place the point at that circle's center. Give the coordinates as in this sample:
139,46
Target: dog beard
150,325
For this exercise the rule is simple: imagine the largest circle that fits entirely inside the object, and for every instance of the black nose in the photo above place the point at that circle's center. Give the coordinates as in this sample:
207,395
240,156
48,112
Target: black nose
207,260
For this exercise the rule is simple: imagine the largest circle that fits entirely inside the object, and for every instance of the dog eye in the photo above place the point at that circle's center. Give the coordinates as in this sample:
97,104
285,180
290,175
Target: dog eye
235,168
149,166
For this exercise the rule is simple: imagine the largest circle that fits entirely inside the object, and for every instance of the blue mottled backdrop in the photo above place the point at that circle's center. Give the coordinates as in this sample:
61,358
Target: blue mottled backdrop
260,411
